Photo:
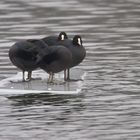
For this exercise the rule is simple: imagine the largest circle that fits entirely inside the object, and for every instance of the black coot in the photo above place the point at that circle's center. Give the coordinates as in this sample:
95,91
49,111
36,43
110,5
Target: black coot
23,54
57,58
54,40
78,51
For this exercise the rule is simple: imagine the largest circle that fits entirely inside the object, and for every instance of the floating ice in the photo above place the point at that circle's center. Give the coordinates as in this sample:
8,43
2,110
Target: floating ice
14,85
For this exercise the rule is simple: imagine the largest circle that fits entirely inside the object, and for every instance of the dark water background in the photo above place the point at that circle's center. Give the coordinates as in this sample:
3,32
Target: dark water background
109,106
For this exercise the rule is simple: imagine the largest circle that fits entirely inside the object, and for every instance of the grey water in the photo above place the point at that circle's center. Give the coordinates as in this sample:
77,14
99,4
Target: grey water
109,106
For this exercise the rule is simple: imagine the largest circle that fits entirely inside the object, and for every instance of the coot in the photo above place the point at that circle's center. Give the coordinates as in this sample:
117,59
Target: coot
57,58
23,54
54,40
77,50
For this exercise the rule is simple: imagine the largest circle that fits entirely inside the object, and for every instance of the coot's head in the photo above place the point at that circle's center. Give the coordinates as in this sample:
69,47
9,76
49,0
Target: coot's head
77,40
62,36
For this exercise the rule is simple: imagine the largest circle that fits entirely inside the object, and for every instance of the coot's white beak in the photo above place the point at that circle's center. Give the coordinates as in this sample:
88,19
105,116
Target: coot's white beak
79,41
62,37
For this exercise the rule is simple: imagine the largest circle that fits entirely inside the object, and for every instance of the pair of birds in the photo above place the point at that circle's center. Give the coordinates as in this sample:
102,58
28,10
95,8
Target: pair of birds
52,54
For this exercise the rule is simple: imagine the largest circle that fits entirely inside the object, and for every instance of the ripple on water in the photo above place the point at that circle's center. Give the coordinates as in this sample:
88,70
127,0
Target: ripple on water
108,107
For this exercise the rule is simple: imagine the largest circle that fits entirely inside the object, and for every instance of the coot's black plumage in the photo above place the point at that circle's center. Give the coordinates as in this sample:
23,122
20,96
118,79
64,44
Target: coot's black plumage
53,40
23,54
56,59
76,48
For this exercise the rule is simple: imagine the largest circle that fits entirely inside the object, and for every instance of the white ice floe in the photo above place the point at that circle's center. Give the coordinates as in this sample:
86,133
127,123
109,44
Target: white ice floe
14,85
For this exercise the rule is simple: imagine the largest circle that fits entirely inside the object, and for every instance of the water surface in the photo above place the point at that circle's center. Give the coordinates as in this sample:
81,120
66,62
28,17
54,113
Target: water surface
109,105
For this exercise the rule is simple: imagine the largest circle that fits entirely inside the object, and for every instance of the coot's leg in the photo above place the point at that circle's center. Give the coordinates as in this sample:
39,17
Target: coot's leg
23,76
50,80
29,76
65,75
68,74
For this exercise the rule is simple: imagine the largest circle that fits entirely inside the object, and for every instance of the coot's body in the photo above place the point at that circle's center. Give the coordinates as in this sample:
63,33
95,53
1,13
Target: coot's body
23,55
77,50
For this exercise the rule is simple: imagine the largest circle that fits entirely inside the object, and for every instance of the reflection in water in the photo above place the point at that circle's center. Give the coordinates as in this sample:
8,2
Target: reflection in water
111,36
44,99
44,113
